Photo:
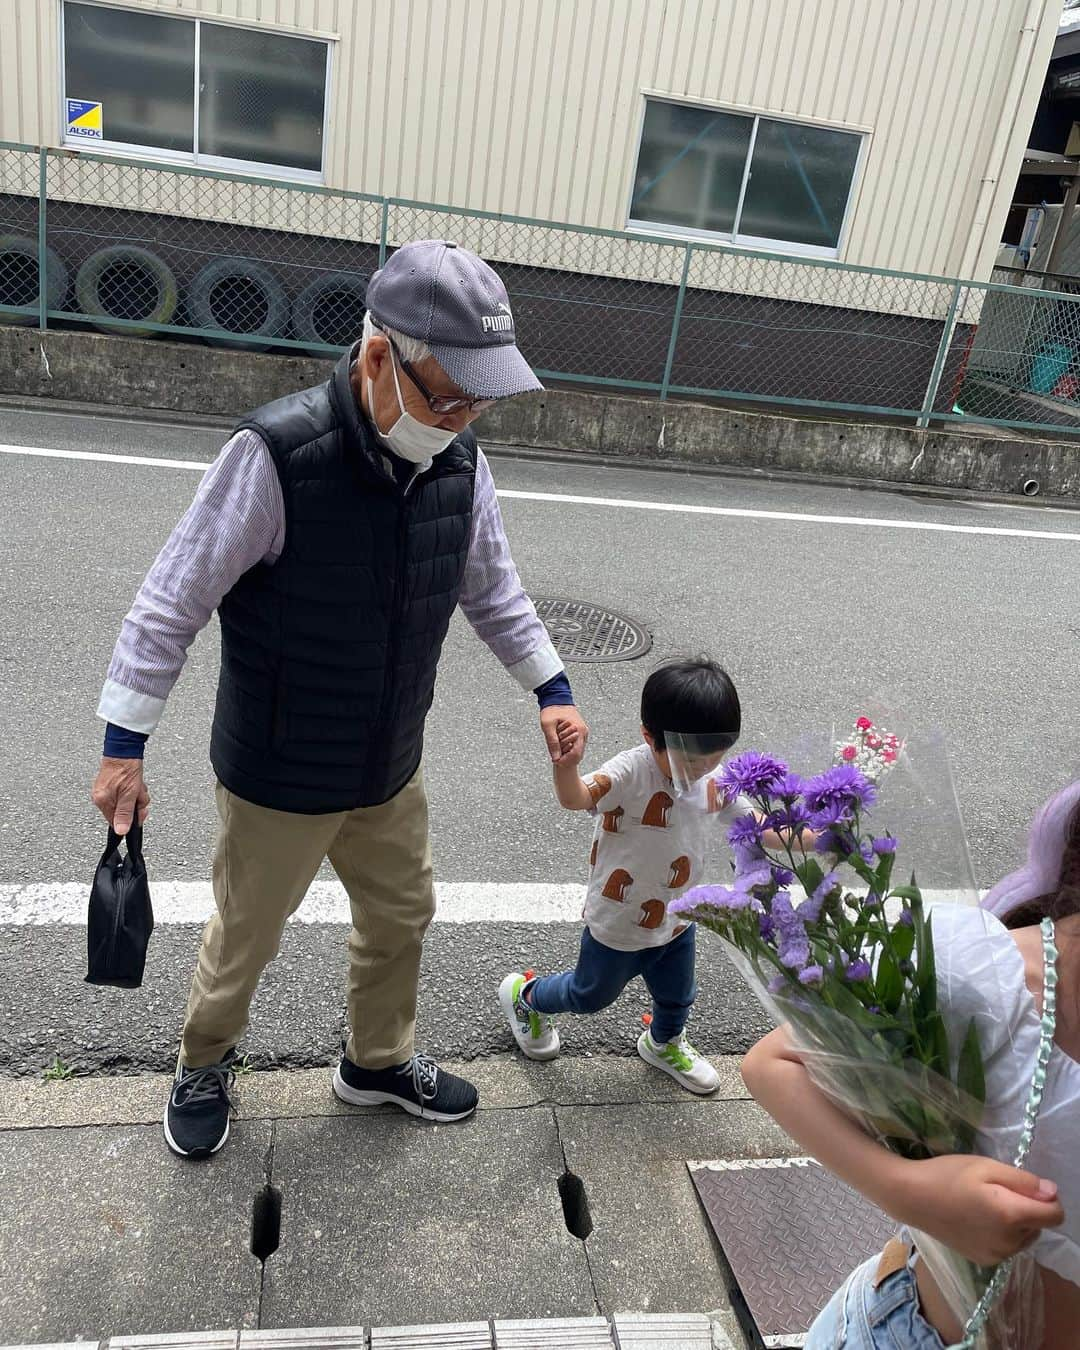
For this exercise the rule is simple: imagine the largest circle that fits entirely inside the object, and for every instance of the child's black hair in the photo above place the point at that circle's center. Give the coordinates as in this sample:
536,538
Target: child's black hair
690,694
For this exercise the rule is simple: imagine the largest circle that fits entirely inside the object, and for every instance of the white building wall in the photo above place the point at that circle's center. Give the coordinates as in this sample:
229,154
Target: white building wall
534,106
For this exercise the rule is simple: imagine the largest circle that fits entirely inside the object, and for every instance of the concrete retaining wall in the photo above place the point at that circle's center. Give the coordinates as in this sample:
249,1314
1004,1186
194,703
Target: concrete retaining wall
208,381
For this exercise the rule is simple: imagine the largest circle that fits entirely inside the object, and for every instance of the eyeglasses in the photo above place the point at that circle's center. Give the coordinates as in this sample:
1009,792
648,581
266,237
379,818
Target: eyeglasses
441,404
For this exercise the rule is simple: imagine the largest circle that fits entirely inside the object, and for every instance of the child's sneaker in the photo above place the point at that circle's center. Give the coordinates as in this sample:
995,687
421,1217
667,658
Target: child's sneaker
534,1033
679,1058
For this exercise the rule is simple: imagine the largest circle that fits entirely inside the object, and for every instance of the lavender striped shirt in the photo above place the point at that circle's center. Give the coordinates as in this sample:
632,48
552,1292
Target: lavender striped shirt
237,520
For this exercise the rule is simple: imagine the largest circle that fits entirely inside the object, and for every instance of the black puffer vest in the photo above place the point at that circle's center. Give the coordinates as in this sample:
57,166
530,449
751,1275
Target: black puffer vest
328,656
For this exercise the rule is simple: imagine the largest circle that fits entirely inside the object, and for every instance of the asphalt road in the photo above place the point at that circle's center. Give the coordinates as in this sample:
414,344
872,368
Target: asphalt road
972,633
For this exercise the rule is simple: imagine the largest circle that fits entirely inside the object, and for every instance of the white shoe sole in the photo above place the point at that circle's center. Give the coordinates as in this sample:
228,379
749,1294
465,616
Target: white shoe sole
647,1055
183,1153
354,1097
524,1043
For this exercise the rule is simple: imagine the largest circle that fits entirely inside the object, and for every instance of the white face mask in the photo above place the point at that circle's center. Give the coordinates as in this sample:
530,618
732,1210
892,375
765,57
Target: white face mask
409,438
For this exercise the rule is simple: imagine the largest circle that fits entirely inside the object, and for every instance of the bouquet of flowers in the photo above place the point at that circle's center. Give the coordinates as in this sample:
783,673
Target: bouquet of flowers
842,952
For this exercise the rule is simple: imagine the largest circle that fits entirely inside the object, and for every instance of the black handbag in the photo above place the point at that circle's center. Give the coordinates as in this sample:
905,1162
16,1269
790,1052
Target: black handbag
120,917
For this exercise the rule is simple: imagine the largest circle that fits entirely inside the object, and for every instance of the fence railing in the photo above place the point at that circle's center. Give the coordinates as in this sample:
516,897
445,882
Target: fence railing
139,248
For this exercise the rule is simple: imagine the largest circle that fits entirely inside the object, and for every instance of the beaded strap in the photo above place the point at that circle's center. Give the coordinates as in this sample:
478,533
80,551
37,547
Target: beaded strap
978,1319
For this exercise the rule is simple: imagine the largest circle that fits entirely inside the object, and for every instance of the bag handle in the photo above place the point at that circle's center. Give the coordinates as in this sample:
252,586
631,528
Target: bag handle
133,837
979,1318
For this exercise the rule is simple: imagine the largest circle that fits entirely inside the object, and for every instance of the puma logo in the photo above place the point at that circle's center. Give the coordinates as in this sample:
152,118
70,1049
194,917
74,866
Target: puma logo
617,885
656,813
612,818
652,914
680,873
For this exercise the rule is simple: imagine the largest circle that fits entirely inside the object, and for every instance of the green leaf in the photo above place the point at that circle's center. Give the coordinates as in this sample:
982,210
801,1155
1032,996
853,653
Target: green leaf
810,875
889,984
903,941
911,893
970,1076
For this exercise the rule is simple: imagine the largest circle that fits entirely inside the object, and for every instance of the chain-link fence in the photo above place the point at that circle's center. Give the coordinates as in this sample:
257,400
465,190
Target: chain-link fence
141,249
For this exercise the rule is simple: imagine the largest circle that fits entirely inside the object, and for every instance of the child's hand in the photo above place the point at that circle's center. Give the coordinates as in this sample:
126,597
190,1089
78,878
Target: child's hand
985,1210
571,742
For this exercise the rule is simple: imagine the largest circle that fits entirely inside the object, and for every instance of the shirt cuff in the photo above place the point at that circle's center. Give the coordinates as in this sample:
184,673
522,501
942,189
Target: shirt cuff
555,692
536,668
127,708
120,743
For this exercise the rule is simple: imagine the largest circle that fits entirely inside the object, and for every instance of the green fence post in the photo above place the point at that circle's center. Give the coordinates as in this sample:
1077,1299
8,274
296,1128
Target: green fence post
942,356
383,227
43,266
676,319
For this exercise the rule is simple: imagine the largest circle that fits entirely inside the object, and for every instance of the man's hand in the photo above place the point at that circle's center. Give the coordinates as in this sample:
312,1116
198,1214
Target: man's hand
119,791
985,1210
565,732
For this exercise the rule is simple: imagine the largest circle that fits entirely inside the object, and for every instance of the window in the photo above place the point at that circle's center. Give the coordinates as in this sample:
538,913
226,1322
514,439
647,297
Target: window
750,179
187,89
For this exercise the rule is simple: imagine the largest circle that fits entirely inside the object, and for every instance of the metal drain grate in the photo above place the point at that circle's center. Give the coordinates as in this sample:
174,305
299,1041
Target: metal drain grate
585,632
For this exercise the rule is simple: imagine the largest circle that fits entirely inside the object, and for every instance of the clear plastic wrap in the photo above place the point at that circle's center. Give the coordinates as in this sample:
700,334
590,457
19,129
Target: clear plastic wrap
820,908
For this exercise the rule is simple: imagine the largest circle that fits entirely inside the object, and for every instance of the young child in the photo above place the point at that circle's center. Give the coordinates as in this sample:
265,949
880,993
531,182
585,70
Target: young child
644,854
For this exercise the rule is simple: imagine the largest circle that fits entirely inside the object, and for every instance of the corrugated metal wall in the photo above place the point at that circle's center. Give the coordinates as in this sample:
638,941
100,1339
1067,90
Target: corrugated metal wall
534,106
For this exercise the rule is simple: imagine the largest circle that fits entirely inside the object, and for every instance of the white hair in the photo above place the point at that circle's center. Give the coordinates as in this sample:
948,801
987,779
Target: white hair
411,349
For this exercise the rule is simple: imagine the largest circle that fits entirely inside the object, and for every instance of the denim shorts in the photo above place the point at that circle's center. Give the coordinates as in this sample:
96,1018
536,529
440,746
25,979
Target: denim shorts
860,1317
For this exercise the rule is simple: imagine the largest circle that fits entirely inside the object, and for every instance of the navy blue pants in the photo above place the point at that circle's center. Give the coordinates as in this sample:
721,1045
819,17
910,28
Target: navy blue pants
602,973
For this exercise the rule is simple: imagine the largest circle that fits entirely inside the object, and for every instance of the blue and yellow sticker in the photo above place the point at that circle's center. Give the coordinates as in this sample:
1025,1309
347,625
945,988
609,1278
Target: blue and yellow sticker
84,119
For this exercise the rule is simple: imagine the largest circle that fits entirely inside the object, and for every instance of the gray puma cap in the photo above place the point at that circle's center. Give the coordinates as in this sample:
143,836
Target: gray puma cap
452,300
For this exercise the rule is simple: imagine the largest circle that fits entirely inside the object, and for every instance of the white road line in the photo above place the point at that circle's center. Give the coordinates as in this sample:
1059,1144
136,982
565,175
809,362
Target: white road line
45,452
625,503
64,902
37,904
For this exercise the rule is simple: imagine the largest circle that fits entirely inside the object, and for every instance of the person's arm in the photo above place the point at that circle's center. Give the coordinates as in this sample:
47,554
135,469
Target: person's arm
572,791
983,1209
235,521
494,601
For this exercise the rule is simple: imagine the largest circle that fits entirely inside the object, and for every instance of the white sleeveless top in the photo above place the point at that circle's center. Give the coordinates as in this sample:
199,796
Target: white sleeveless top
981,974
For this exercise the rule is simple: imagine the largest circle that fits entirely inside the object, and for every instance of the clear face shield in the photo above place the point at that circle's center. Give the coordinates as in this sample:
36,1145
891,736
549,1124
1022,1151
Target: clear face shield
695,758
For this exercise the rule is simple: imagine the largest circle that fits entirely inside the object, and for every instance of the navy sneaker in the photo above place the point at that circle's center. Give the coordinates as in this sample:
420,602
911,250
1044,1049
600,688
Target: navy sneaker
197,1116
418,1086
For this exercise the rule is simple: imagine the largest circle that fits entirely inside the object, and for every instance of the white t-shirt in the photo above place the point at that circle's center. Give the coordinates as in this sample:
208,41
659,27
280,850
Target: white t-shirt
980,975
646,850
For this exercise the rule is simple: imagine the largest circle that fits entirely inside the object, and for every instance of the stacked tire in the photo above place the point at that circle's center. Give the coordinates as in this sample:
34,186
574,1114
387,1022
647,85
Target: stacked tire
127,283
235,302
19,281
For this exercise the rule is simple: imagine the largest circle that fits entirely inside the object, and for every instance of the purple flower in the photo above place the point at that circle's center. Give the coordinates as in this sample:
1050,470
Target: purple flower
745,830
858,971
751,773
906,918
832,813
766,927
789,787
871,900
866,851
810,909
792,817
874,1008
812,976
776,985
730,898
753,871
886,844
782,876
842,788
793,944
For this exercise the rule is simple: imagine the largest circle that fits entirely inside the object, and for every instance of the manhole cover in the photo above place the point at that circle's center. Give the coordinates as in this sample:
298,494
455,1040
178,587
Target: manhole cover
584,632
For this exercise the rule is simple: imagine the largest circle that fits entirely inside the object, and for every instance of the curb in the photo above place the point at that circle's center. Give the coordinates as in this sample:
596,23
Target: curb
623,1331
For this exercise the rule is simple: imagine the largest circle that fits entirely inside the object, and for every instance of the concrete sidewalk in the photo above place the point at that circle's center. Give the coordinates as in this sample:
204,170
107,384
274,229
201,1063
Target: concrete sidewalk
370,1218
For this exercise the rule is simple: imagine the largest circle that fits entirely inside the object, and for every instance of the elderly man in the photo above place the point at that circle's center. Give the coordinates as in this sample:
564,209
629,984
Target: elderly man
335,534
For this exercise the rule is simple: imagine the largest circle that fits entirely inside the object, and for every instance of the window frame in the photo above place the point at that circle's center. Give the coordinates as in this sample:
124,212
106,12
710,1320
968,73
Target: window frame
689,233
196,159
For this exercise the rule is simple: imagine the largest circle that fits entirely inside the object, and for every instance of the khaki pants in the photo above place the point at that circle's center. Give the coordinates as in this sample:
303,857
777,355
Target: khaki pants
264,863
